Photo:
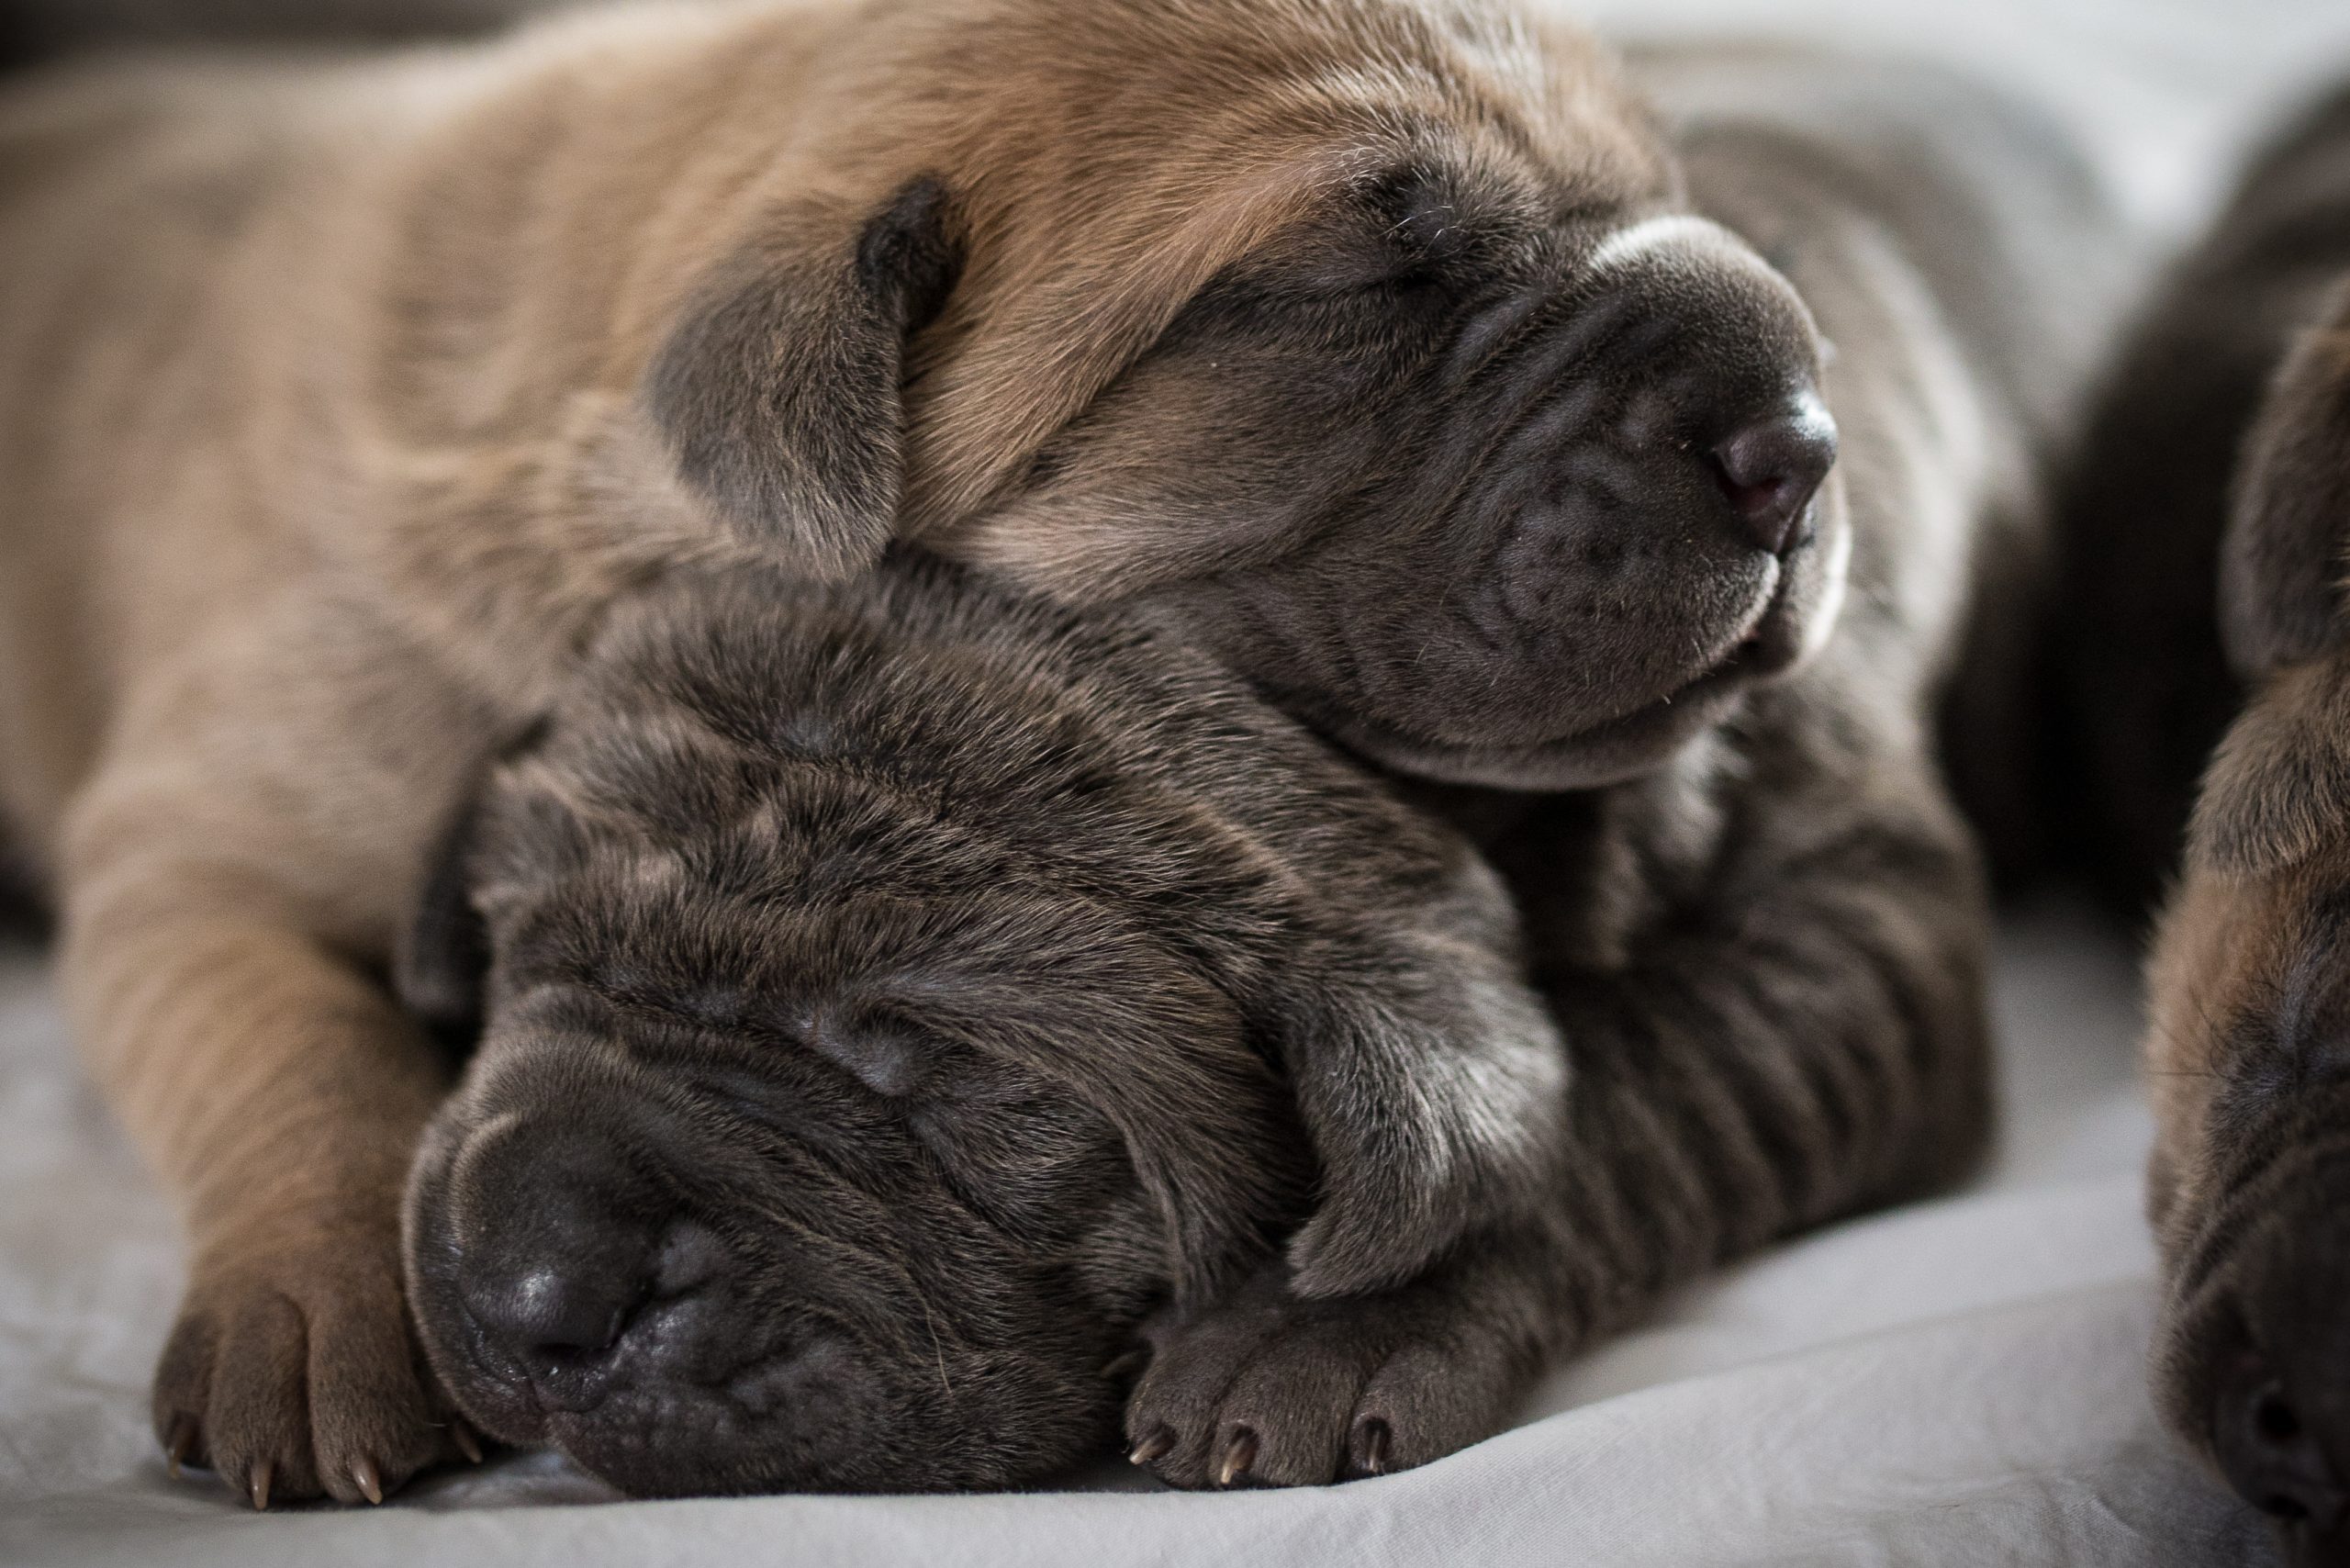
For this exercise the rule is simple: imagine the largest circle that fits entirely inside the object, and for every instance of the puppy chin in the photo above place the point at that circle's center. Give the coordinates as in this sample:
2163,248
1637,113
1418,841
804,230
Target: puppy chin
1626,748
1792,630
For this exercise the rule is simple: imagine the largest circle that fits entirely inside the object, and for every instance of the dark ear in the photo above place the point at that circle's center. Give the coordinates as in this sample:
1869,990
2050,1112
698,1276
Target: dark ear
444,961
2283,566
779,392
2279,785
1059,987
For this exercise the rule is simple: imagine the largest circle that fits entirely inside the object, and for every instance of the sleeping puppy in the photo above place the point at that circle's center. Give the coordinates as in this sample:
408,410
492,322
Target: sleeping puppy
2248,996
1765,956
1378,347
892,993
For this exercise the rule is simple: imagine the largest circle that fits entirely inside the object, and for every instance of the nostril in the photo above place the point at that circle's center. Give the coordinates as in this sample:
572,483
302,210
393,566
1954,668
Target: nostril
570,1315
1769,471
555,1315
2268,1451
2275,1419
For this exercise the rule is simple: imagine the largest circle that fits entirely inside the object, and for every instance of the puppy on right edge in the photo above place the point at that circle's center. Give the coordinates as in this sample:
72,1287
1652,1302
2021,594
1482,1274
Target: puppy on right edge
2248,1042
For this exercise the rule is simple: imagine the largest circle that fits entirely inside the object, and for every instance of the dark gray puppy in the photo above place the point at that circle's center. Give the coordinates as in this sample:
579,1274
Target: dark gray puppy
892,994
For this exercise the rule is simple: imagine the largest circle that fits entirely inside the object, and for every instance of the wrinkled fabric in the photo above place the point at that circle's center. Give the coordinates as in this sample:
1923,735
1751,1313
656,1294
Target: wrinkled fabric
1959,1383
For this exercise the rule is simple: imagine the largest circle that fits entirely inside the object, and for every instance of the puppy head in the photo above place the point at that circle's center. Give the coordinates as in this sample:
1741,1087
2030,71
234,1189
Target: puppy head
1369,340
727,1204
752,1185
2250,1042
884,1001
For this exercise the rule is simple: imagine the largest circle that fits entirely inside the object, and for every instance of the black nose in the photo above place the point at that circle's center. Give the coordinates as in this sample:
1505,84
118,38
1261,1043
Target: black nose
1770,469
564,1251
555,1311
2270,1451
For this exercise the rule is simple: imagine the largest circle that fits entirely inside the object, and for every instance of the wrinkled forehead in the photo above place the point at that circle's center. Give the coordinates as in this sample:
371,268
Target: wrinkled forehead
851,1023
1211,155
849,926
1181,141
1229,71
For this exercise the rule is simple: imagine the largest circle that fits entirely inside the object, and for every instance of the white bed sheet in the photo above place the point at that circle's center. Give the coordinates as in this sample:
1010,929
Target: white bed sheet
1956,1382
1959,1382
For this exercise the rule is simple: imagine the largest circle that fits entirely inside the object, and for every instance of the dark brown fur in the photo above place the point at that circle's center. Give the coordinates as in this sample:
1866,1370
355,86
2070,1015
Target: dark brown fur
2249,1012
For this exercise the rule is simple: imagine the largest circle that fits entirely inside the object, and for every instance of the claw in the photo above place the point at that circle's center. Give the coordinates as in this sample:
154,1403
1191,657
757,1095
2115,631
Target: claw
1370,1444
363,1475
1153,1446
467,1444
1125,1366
180,1444
1239,1455
257,1484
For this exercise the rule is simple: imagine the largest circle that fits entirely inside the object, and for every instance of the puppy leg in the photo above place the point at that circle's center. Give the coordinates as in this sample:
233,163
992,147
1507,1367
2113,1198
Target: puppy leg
279,1093
1795,1030
1798,1034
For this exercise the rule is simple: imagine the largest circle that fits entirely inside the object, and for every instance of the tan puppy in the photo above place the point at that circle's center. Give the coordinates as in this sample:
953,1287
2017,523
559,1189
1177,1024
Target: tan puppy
1369,343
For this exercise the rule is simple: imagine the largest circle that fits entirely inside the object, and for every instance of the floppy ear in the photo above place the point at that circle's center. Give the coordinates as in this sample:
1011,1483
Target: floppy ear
1064,989
2282,569
777,393
444,961
2279,785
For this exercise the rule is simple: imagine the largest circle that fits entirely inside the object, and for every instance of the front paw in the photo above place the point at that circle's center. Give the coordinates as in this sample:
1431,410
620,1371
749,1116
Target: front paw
1273,1390
293,1375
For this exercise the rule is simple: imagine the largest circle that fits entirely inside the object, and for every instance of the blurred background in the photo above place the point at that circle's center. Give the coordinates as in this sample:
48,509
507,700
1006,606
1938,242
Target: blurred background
40,28
2169,90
